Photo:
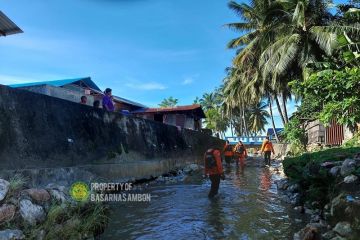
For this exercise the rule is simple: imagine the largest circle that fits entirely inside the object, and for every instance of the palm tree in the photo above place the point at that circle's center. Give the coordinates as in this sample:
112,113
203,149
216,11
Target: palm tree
169,102
258,117
208,101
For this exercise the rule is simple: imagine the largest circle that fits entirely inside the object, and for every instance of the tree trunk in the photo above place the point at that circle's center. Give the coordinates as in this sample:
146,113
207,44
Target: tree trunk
245,125
279,109
272,120
285,109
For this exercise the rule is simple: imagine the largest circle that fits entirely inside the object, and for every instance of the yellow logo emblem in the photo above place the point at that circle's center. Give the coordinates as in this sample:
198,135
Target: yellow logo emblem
79,191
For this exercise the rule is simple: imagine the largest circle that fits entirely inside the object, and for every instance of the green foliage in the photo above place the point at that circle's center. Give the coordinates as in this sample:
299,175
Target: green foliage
337,91
353,142
169,102
294,133
305,169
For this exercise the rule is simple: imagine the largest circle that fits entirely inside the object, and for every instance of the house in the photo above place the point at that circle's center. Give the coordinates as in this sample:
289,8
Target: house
181,116
73,89
7,27
271,134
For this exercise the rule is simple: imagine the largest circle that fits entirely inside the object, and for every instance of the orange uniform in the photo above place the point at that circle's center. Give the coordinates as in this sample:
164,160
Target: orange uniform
215,170
241,156
267,146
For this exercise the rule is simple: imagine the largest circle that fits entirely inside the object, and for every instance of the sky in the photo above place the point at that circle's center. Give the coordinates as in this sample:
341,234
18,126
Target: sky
145,50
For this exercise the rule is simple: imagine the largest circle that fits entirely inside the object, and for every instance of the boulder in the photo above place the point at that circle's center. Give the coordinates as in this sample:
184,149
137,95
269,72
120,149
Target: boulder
39,195
7,212
338,238
58,195
294,188
10,234
334,171
190,168
343,229
282,184
348,166
295,199
308,233
329,235
30,212
4,188
350,179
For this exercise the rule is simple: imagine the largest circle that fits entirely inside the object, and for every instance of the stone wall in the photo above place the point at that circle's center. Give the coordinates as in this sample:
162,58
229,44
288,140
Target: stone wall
45,135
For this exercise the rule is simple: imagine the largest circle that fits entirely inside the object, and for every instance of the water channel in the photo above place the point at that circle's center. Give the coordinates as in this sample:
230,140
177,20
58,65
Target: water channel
248,207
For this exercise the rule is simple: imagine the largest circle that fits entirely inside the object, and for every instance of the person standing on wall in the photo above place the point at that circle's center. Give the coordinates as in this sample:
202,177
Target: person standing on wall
267,148
240,154
213,169
228,152
107,100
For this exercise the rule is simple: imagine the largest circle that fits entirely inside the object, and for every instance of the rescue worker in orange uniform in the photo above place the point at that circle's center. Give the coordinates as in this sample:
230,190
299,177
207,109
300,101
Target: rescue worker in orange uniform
267,148
213,169
240,154
228,152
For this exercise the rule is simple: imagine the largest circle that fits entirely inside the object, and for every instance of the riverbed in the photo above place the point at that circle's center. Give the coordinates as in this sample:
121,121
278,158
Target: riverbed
247,207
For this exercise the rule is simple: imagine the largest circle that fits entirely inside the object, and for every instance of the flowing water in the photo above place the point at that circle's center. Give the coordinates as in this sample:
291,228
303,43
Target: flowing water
248,207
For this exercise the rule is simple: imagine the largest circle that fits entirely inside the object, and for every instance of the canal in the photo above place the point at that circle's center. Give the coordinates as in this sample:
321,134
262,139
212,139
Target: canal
248,207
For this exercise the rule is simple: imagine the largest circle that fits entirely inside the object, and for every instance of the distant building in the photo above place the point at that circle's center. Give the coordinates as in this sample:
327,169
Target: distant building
7,27
270,132
73,89
189,116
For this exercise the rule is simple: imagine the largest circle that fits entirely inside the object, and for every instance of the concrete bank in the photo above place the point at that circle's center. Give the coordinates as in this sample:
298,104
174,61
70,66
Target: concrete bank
49,138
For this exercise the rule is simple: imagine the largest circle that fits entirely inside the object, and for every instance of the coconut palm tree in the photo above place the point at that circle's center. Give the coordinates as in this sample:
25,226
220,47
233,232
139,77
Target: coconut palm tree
258,117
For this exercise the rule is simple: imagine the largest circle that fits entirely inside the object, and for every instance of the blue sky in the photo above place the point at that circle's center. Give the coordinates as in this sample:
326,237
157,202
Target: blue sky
145,50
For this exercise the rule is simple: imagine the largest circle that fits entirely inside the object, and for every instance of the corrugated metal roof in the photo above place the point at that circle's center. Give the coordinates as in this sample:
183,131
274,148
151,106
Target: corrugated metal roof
59,83
7,26
120,99
194,107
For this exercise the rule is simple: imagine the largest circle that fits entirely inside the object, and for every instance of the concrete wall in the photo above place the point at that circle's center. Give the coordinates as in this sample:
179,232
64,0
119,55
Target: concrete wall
42,132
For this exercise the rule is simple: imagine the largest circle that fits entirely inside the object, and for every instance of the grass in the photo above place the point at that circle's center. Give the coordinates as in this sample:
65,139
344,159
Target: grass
316,183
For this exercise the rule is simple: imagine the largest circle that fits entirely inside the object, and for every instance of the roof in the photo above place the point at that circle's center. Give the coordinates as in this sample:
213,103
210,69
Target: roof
120,99
195,108
86,80
270,131
7,26
59,83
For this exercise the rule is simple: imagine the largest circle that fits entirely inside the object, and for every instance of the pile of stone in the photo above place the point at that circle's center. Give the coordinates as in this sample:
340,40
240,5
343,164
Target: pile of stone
339,219
25,207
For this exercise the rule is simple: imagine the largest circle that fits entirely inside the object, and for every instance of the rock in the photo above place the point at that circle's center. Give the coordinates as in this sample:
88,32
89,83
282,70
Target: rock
39,195
308,233
350,179
348,166
295,199
282,184
4,188
315,218
7,212
338,238
30,212
58,195
294,188
309,211
190,168
334,171
299,209
329,235
343,229
10,234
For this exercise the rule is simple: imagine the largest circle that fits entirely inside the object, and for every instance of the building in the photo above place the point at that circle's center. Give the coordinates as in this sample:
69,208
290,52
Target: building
7,27
271,134
189,116
73,89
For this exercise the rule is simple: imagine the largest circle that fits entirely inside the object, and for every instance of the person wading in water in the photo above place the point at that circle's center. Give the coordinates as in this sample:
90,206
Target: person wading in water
267,148
240,154
228,152
214,169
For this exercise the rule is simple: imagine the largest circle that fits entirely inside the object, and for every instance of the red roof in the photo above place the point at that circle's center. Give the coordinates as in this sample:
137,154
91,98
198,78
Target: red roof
195,108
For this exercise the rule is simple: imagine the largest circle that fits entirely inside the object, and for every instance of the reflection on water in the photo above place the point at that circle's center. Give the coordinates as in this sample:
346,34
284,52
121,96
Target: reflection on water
247,208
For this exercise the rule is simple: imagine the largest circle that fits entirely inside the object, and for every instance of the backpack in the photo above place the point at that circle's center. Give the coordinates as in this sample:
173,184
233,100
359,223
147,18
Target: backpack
210,161
240,149
228,148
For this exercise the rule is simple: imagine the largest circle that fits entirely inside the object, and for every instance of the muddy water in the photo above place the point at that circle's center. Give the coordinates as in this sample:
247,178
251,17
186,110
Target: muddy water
248,207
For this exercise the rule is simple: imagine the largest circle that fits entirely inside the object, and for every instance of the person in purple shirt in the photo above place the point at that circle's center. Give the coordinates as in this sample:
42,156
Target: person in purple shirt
107,100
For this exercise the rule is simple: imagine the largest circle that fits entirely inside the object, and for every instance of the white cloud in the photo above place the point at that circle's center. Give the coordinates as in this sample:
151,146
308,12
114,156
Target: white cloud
187,81
146,86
